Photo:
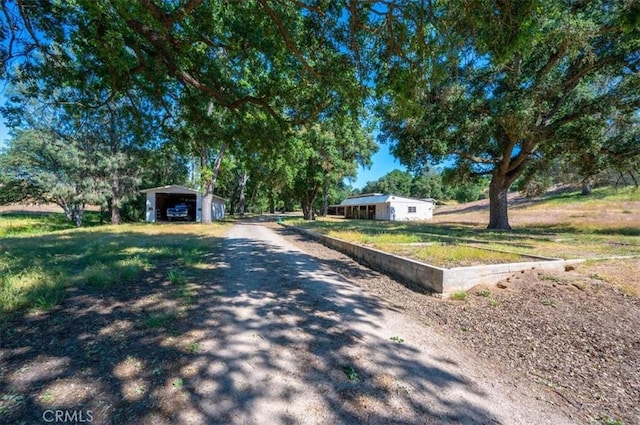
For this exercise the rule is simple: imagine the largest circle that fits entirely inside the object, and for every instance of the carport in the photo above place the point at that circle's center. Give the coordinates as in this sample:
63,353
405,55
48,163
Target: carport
161,198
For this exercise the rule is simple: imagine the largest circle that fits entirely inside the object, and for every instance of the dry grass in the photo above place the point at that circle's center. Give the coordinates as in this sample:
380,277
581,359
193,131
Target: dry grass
37,267
451,255
568,226
605,211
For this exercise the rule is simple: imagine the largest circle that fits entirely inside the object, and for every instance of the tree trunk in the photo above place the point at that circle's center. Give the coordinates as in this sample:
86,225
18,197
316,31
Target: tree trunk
78,213
207,201
209,182
325,197
272,203
498,203
586,188
307,209
242,182
115,198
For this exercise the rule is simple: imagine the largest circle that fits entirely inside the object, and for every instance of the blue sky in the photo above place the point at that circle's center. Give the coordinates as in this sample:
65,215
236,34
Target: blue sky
4,132
383,163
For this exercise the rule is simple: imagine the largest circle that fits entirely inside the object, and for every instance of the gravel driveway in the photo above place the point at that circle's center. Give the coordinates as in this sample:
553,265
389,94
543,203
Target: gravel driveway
295,342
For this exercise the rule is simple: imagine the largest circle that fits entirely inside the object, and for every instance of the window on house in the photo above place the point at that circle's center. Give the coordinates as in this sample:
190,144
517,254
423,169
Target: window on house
412,210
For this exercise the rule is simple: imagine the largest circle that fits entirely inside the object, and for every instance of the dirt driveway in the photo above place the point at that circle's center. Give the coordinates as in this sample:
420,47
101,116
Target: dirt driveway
295,342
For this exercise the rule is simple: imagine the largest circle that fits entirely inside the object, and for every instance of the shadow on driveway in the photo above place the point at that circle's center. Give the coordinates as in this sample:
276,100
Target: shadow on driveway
266,334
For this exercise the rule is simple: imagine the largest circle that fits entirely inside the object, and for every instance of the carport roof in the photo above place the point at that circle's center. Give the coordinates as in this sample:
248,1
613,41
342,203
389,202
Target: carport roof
174,188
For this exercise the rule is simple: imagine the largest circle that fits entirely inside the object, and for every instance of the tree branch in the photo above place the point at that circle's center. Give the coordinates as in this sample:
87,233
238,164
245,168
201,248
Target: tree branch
289,43
472,158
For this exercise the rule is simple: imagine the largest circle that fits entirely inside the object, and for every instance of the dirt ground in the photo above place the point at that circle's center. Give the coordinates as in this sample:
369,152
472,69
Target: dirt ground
573,336
284,330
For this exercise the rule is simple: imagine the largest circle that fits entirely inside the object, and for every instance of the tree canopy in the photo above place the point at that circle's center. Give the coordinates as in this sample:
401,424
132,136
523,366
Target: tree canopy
494,86
498,88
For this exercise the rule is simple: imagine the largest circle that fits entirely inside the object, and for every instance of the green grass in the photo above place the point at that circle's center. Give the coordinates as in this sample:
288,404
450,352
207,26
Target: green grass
160,319
36,267
14,224
177,277
598,195
493,302
577,233
459,296
483,293
548,302
194,347
352,374
451,255
34,287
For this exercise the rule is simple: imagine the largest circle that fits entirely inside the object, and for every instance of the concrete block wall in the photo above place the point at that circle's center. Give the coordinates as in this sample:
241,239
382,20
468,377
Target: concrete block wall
439,280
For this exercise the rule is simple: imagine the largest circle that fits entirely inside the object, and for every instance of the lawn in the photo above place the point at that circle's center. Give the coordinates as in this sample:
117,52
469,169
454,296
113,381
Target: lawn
41,258
92,312
567,226
33,223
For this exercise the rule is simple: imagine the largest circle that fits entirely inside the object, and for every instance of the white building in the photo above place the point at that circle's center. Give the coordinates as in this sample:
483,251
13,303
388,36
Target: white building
161,198
376,206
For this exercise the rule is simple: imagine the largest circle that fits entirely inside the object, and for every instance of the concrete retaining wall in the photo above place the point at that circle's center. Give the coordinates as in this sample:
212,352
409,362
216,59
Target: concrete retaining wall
432,278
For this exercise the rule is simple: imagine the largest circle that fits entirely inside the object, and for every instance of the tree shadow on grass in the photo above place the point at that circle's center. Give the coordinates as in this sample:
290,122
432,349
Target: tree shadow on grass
259,334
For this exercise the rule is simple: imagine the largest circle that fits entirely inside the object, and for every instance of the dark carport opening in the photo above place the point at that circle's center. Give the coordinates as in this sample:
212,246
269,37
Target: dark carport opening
170,200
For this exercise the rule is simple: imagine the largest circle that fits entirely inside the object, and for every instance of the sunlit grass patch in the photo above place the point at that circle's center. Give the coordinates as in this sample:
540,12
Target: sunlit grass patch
459,296
17,224
190,256
599,197
99,257
131,267
100,275
376,238
450,255
34,287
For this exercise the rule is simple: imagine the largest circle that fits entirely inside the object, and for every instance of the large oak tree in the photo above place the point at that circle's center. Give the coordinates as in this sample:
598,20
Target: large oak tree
493,85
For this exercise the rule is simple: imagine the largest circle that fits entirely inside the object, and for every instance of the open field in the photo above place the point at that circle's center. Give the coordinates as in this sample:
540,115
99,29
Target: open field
248,330
118,321
568,226
39,263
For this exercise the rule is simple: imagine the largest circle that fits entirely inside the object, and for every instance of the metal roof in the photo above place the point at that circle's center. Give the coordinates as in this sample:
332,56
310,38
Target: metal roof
174,188
378,199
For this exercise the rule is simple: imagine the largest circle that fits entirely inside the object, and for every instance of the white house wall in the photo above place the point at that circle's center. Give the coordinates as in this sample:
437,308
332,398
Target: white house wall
400,210
383,212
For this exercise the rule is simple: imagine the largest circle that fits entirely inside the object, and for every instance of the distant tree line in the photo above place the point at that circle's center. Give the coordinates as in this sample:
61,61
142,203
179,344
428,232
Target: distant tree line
441,186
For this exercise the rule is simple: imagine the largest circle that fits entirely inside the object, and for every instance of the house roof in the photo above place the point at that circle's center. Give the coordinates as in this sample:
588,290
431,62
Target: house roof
378,198
174,188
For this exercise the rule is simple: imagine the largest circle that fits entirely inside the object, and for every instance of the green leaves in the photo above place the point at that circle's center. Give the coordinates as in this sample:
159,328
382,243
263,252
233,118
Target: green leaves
503,84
